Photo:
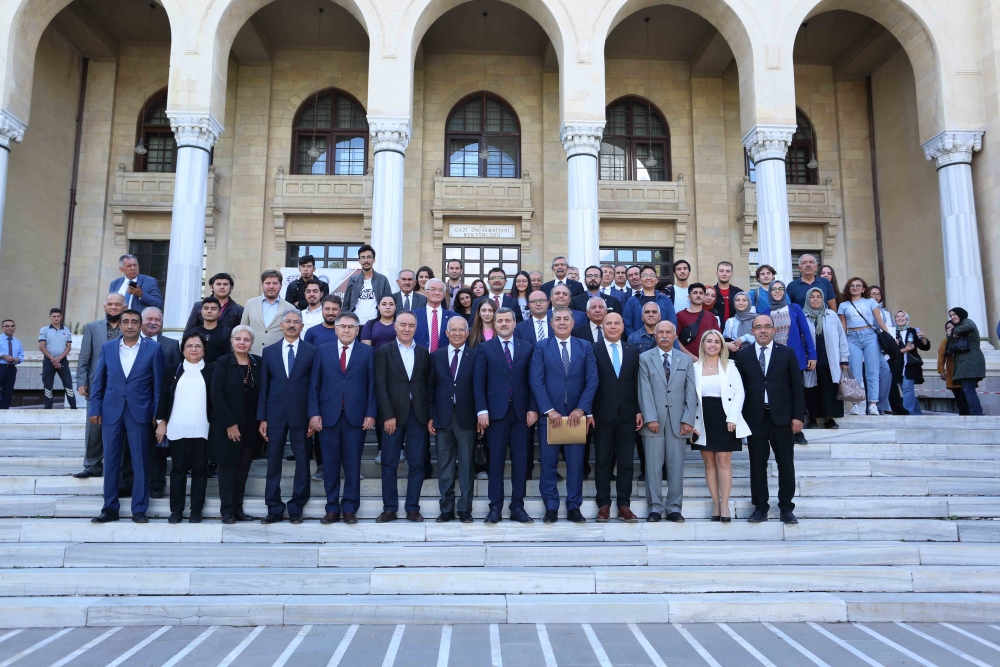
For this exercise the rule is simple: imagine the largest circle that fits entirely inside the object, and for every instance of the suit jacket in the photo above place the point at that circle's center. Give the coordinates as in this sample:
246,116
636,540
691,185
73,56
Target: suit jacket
95,334
333,392
617,395
579,317
621,295
498,388
506,301
380,285
284,399
671,404
228,401
732,399
166,403
575,287
172,356
580,302
633,312
295,293
423,334
526,330
112,393
447,393
264,333
585,332
417,300
553,388
396,393
783,385
231,316
151,296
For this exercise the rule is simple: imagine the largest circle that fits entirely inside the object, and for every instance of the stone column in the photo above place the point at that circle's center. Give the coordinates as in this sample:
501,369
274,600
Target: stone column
11,131
952,152
390,136
767,146
195,135
582,142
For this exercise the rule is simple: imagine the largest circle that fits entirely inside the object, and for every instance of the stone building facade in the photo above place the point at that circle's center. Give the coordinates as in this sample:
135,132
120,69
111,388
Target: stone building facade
860,131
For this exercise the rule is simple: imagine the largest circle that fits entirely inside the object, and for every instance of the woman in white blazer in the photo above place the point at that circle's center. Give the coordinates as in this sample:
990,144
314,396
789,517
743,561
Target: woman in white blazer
719,426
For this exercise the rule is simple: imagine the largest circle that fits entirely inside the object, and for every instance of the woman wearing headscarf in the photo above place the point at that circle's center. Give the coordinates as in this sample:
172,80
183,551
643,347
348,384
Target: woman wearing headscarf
946,367
791,329
910,372
970,364
832,359
738,329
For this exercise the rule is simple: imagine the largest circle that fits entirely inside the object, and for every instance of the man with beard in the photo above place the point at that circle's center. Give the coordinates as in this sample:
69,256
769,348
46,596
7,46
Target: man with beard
296,292
96,334
325,332
593,277
215,334
312,314
230,312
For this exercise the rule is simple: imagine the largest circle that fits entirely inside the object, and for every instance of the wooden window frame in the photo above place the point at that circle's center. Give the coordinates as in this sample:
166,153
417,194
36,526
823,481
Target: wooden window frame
144,130
633,140
331,134
481,136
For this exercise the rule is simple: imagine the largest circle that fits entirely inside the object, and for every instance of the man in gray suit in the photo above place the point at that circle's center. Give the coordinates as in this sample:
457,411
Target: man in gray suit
96,334
263,313
668,401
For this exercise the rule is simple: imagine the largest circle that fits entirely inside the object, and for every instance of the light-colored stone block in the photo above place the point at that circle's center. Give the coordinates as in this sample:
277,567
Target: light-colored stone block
403,555
511,531
363,531
983,506
27,505
504,580
236,610
907,530
921,607
191,555
10,530
47,612
756,608
979,531
935,579
706,579
410,609
567,554
783,553
596,608
79,530
959,554
32,555
17,486
95,581
281,581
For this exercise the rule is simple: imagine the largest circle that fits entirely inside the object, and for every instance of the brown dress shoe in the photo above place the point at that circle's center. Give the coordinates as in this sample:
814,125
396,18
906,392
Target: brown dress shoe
386,516
625,514
415,517
604,514
331,517
350,518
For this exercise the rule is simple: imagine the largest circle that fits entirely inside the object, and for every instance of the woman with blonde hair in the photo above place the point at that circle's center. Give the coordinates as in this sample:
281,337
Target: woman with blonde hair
719,427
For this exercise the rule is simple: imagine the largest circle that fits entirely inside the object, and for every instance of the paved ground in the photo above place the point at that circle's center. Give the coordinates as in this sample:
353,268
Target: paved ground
552,645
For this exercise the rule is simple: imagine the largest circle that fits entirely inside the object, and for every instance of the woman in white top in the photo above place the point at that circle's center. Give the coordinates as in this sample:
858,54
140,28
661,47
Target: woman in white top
183,418
861,317
719,426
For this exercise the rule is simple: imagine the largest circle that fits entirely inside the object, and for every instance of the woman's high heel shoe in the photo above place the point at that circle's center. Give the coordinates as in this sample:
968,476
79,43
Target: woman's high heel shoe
716,517
726,519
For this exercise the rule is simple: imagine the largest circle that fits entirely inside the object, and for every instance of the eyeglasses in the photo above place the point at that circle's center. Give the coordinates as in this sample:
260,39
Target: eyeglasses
535,302
763,327
347,326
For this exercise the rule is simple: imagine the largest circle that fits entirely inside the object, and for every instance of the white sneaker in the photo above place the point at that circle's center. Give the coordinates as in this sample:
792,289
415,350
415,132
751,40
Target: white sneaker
378,457
872,409
482,475
856,410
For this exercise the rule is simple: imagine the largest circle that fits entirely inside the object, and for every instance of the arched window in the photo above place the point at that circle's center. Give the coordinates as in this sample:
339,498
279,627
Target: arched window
801,152
330,135
636,142
154,133
483,120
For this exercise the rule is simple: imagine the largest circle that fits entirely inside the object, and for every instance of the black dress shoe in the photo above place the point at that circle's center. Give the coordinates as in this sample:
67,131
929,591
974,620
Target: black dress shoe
445,517
330,517
105,517
758,516
642,477
575,515
675,517
832,424
551,516
272,518
156,494
493,516
788,517
295,518
465,517
811,424
415,517
350,518
800,438
84,474
520,516
654,517
386,516
140,517
175,517
242,516
195,517
229,519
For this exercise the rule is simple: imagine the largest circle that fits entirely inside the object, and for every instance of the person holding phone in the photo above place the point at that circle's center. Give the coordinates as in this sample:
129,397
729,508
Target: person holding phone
139,291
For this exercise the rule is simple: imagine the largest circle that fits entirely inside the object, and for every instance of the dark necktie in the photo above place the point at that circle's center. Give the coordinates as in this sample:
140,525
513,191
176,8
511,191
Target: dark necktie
343,359
763,362
406,303
565,357
454,365
600,334
666,366
541,330
506,353
291,359
496,300
10,346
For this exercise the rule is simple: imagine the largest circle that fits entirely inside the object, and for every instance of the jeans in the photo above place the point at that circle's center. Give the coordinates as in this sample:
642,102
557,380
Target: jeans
910,400
969,387
864,350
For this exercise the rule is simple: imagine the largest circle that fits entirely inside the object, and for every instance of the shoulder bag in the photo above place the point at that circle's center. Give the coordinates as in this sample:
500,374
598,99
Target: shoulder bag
688,333
850,389
885,339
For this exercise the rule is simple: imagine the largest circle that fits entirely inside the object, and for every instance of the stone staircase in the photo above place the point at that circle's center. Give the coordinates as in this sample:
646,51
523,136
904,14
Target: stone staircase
897,524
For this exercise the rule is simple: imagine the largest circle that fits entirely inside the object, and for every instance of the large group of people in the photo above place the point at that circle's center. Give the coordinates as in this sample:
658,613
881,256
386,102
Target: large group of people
620,362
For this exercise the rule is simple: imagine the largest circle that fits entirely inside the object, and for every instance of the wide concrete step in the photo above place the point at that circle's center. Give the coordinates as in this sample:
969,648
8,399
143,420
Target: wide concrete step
253,610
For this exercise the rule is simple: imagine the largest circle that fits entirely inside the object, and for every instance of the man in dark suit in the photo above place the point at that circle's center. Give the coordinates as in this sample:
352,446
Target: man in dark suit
506,410
433,312
123,399
497,280
536,327
560,267
592,331
341,408
592,277
560,298
152,328
295,293
406,299
140,291
616,417
563,381
401,371
230,312
453,419
283,411
620,289
774,409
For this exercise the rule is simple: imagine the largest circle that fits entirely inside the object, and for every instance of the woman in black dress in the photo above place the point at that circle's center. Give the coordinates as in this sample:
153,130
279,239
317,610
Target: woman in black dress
235,390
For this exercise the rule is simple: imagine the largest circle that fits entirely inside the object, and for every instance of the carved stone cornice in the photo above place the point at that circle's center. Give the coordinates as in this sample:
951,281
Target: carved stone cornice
194,129
953,147
11,129
581,138
389,133
768,142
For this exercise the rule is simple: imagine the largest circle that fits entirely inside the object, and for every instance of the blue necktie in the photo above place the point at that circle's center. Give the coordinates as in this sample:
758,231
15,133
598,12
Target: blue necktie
565,357
615,359
291,359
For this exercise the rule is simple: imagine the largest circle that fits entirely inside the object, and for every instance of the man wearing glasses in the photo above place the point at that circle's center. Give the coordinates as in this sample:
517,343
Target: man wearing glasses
649,293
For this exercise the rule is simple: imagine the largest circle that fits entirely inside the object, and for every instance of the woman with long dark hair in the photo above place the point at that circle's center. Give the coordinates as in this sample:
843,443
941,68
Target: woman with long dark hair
424,273
826,271
462,304
478,288
482,323
860,315
832,359
519,291
381,330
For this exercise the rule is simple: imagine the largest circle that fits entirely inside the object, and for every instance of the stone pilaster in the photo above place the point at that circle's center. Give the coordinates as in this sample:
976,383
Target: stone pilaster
582,143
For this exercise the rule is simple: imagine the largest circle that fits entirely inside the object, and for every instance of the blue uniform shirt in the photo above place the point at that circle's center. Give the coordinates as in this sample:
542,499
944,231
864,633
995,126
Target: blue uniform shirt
12,346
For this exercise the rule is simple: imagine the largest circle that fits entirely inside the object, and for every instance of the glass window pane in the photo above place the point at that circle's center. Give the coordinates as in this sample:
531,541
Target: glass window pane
160,147
502,162
352,251
626,256
607,255
472,253
463,157
336,251
350,115
468,118
645,256
307,164
453,253
491,254
472,267
616,120
349,156
510,254
612,159
645,169
510,268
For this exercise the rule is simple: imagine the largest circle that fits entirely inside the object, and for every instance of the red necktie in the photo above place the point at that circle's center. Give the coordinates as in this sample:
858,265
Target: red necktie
496,300
343,358
435,331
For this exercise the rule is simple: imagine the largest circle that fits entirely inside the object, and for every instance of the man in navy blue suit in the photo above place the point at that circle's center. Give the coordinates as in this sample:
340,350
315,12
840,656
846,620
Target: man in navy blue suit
560,267
283,411
433,313
123,398
563,381
138,290
341,408
536,327
453,419
497,280
506,410
560,298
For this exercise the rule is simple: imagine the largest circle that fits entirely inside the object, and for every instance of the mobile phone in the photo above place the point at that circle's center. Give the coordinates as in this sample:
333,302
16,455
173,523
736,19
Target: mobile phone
694,438
133,283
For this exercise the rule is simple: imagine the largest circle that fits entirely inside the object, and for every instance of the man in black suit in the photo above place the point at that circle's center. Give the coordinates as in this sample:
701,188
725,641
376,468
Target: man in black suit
616,417
560,267
296,291
536,327
283,411
592,277
774,409
401,371
406,299
453,419
591,331
497,280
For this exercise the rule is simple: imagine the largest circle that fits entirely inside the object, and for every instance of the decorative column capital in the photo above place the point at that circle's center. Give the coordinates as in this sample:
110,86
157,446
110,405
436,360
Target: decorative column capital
953,147
200,130
581,138
768,142
11,129
389,133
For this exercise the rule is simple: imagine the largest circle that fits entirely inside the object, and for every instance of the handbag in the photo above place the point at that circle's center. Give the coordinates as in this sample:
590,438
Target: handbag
481,452
957,345
689,332
886,340
850,389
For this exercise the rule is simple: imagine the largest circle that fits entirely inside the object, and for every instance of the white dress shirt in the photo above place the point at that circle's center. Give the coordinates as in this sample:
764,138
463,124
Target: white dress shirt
284,352
542,332
128,354
340,349
767,360
621,350
430,319
451,355
123,290
593,330
627,289
311,318
408,354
